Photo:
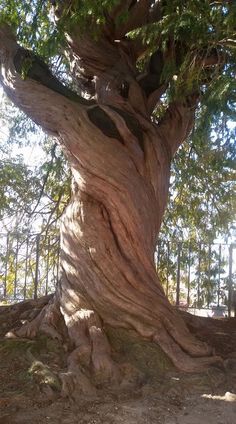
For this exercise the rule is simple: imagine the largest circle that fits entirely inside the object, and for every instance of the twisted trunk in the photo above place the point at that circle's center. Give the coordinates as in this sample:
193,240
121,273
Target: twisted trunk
109,235
120,162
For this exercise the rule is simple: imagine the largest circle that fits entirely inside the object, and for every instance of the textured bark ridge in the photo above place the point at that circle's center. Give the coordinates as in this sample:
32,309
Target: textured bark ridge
120,162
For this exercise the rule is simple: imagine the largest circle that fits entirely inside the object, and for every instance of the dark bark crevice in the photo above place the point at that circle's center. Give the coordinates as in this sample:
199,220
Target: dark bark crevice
29,65
132,124
99,118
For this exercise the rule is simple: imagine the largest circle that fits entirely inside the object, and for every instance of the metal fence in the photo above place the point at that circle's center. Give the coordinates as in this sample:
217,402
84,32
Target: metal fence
194,275
198,276
29,265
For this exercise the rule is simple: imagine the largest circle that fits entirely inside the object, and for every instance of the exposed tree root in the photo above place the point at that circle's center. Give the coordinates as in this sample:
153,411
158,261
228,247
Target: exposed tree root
13,316
183,360
90,356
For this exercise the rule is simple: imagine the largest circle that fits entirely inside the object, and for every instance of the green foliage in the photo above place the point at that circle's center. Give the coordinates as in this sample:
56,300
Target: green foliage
17,186
202,203
35,26
32,195
197,29
32,23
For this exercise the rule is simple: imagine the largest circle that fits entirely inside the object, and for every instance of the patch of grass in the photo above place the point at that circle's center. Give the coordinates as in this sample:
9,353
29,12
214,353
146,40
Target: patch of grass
15,347
25,357
44,375
146,356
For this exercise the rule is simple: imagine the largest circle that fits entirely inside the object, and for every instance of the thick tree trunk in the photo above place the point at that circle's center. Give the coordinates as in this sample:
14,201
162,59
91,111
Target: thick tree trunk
108,240
120,163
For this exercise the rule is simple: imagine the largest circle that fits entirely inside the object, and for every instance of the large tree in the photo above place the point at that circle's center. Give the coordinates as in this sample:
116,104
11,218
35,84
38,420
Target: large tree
137,72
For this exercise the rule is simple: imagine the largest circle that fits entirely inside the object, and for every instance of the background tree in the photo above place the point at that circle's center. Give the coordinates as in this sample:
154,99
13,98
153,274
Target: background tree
34,175
138,57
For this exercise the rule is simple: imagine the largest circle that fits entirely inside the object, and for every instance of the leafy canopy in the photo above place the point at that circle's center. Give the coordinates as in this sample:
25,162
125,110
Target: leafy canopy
196,26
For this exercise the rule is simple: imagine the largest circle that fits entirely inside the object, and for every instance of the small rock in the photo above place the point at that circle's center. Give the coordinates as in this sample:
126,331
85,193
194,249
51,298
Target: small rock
230,397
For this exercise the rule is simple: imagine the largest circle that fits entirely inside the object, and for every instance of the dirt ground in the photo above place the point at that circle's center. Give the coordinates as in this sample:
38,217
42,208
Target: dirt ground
29,389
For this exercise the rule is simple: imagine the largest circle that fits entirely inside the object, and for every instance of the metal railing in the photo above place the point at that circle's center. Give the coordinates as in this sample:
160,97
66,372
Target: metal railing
29,265
194,275
198,275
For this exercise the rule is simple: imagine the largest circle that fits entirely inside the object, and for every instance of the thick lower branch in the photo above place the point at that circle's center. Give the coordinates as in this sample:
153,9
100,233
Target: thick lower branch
38,93
177,123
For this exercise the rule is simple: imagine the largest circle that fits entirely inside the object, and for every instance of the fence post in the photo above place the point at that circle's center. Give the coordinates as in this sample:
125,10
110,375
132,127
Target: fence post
47,265
37,266
199,275
230,279
178,275
16,265
167,268
58,260
6,268
209,276
219,276
158,253
189,273
26,266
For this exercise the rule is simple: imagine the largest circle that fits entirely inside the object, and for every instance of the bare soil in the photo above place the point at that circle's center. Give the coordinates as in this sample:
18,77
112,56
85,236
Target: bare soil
30,388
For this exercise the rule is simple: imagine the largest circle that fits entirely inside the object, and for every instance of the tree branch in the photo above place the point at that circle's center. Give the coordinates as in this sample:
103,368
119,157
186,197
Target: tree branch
119,8
28,65
137,16
37,94
142,13
155,97
214,58
45,179
227,42
178,122
151,82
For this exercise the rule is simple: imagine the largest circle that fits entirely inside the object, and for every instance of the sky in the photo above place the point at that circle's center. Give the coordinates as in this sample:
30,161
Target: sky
33,154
